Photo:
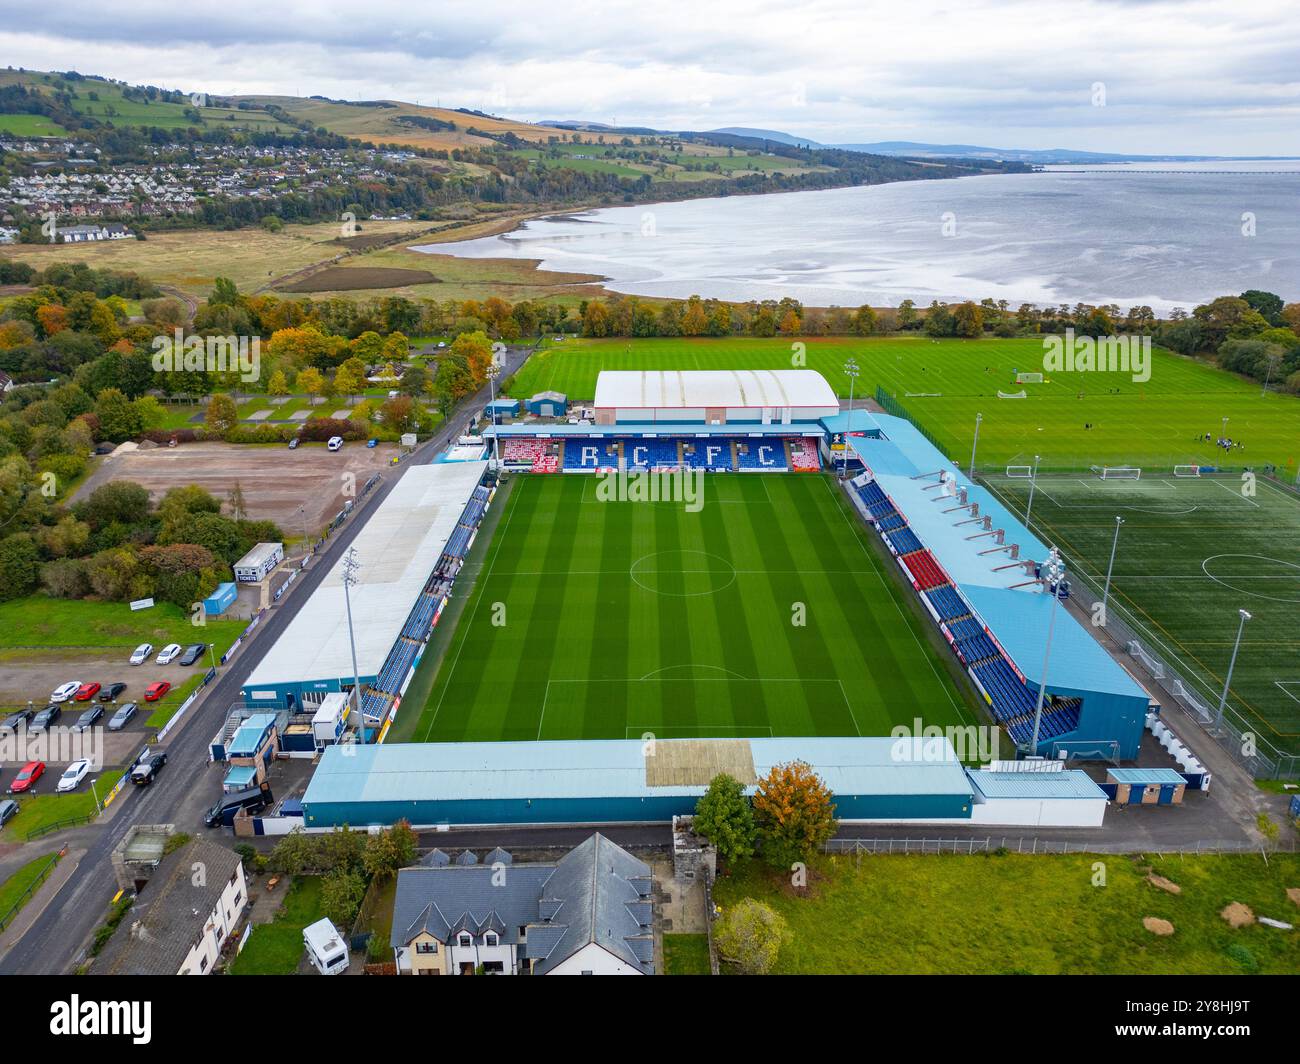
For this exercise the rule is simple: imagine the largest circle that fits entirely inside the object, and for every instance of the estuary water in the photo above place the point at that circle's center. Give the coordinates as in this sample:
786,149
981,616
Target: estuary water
1165,235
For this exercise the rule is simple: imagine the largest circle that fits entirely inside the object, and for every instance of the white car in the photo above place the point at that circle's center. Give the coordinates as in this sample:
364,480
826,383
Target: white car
169,653
142,653
73,775
65,691
336,443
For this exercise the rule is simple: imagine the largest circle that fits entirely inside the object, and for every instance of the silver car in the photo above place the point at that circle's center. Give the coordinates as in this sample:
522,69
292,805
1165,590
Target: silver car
125,712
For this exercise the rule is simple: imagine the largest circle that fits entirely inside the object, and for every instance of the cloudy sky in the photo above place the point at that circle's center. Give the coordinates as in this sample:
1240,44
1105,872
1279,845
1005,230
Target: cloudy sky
1139,76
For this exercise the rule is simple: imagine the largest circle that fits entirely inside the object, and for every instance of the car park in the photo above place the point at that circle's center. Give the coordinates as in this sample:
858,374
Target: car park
122,717
73,775
16,720
142,653
46,718
147,768
110,693
88,719
86,692
27,777
169,653
155,691
335,443
65,691
192,653
8,810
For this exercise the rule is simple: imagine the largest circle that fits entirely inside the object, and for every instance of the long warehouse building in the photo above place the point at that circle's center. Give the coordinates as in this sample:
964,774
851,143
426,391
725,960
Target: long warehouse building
396,551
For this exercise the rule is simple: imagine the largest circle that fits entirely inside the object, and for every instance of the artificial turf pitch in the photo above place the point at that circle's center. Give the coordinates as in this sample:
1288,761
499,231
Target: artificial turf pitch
616,620
1191,552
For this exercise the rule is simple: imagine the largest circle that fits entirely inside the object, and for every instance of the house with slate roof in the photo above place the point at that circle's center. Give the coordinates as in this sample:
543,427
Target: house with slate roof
589,913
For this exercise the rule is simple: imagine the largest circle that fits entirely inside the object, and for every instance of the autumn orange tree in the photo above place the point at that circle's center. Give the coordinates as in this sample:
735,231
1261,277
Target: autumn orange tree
793,812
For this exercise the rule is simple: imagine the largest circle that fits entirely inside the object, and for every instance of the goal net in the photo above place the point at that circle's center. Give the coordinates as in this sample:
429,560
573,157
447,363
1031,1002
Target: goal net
1029,378
1022,394
1118,472
1020,472
1187,471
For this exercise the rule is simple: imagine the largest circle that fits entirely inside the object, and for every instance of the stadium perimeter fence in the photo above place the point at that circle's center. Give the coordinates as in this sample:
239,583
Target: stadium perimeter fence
1230,729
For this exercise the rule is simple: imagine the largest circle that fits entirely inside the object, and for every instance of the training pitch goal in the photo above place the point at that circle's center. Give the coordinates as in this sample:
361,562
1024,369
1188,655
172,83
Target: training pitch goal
1118,472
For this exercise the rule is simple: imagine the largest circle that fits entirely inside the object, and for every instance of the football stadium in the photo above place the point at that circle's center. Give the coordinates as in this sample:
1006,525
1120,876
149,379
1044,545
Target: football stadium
585,618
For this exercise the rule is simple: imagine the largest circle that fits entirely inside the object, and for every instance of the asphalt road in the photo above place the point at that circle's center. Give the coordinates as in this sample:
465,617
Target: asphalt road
57,940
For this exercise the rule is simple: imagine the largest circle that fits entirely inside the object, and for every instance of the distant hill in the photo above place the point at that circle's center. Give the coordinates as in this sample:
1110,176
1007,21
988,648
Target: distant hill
774,135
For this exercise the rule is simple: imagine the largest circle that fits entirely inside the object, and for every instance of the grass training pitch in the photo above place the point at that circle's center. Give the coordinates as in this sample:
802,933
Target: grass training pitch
943,384
1191,552
610,620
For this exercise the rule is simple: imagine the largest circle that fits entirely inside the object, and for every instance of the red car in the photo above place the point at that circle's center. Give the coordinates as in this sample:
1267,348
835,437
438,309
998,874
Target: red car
86,692
26,779
155,691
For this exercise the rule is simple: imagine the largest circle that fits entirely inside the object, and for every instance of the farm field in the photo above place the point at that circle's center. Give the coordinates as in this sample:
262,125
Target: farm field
1191,552
943,384
30,126
608,620
951,914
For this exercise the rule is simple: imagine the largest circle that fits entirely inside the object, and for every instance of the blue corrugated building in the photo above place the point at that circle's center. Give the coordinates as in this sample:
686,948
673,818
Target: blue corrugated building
614,781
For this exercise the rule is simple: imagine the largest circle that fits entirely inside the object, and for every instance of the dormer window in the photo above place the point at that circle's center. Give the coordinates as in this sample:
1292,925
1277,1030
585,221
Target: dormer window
464,939
490,938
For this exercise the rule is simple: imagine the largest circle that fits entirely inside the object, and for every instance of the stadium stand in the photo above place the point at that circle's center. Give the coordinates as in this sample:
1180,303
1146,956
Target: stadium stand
805,457
947,603
713,453
925,570
903,540
650,454
595,455
765,455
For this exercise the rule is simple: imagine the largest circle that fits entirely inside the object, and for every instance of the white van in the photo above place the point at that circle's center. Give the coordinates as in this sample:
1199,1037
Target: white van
325,948
336,443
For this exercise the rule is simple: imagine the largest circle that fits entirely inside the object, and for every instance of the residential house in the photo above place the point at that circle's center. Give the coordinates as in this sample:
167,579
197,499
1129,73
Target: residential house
6,382
182,916
589,913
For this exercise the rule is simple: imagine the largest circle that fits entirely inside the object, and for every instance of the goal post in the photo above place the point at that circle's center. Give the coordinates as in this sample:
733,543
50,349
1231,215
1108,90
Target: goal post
1118,472
1020,472
1029,378
1187,471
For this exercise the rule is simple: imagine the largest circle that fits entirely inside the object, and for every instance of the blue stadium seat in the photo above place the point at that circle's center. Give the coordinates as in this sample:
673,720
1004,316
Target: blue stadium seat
650,454
712,452
590,454
762,454
904,540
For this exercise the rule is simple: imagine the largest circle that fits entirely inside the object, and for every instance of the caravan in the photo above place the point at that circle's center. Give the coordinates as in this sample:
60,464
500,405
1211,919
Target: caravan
325,948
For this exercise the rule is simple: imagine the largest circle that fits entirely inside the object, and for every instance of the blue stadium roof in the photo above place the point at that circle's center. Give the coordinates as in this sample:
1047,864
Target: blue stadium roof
1020,622
1070,783
614,768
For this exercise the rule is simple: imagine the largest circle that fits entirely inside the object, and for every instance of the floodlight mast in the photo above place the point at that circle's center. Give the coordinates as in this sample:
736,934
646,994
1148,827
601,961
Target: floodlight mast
351,567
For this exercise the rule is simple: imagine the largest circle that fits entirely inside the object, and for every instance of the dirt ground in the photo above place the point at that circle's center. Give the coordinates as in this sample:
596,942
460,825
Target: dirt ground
276,481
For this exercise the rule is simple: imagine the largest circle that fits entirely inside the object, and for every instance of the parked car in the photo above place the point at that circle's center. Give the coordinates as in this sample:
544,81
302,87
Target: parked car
192,653
89,718
73,775
155,691
86,692
293,443
27,777
14,721
46,717
169,653
123,716
147,768
110,693
254,799
8,810
142,653
65,691
335,443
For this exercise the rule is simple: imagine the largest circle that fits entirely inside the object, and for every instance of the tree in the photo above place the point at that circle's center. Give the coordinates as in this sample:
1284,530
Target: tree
750,935
864,321
119,418
222,415
311,382
341,895
119,501
350,378
390,850
793,812
277,385
20,566
723,816
238,507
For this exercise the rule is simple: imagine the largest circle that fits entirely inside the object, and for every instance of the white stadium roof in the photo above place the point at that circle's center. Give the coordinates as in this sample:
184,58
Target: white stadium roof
397,550
630,389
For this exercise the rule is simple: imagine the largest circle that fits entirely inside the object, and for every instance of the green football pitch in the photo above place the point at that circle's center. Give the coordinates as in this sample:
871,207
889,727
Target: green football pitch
1191,553
1071,420
765,613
